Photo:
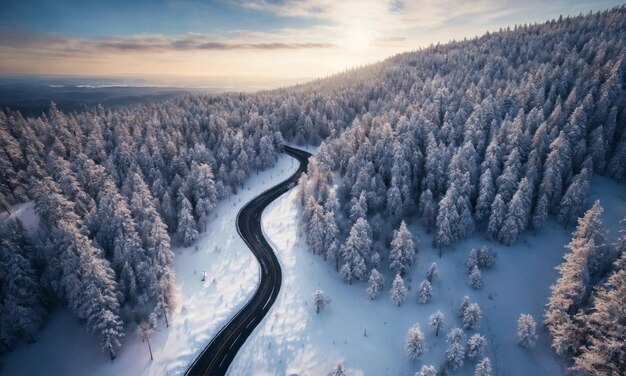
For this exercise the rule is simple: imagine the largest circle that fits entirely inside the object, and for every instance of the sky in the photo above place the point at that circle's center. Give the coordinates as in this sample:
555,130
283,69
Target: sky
275,41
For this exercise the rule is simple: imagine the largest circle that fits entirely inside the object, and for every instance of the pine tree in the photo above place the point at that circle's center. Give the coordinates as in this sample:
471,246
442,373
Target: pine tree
145,329
376,284
436,321
486,196
403,250
339,370
471,261
22,308
526,330
427,370
588,259
498,214
358,207
472,316
518,213
605,353
187,232
320,300
455,356
463,306
427,210
483,368
574,200
316,229
486,258
414,344
425,293
475,346
475,279
398,290
357,248
432,272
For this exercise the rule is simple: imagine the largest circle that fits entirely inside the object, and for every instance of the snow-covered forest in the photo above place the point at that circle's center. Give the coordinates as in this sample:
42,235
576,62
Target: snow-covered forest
488,135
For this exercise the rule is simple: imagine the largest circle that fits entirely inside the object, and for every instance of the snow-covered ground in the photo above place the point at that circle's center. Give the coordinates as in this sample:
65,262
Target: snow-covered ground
295,340
64,348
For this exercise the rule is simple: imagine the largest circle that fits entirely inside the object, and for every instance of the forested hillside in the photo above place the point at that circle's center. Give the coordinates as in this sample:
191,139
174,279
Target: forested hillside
490,134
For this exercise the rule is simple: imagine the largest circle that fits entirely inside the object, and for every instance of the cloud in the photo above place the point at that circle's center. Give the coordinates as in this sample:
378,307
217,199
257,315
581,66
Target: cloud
58,44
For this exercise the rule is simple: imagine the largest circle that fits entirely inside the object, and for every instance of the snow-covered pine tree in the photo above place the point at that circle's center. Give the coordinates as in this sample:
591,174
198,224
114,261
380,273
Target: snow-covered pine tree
414,344
475,346
427,370
605,354
403,250
483,368
526,330
398,290
320,300
487,193
472,316
376,284
584,265
358,207
145,329
356,249
518,213
22,308
427,210
432,272
574,201
316,229
436,321
425,292
187,232
455,355
475,279
497,217
471,261
463,304
486,258
339,370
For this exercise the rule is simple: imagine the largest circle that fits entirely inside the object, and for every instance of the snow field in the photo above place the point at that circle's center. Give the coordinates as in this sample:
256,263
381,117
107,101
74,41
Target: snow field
293,340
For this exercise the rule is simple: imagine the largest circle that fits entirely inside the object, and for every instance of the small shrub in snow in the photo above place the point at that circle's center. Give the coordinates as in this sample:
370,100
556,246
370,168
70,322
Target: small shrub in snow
463,306
483,368
432,271
486,258
320,300
471,261
339,370
475,346
427,370
436,321
526,328
414,345
475,279
376,284
425,293
472,316
398,290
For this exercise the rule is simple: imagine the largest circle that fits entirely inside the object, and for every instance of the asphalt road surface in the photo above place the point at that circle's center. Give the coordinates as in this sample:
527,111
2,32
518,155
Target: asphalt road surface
217,356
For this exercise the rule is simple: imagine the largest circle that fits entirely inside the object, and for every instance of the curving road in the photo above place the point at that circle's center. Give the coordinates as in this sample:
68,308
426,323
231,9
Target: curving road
217,356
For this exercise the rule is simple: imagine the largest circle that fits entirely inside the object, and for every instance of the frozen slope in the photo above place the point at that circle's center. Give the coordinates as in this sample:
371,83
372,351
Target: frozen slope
63,347
294,340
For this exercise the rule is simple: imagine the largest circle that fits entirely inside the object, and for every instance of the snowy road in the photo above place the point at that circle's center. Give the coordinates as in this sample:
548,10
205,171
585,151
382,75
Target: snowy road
221,350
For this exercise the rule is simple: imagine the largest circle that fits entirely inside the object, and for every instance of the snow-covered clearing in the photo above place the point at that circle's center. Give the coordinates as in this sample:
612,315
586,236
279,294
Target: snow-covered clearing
294,340
63,347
